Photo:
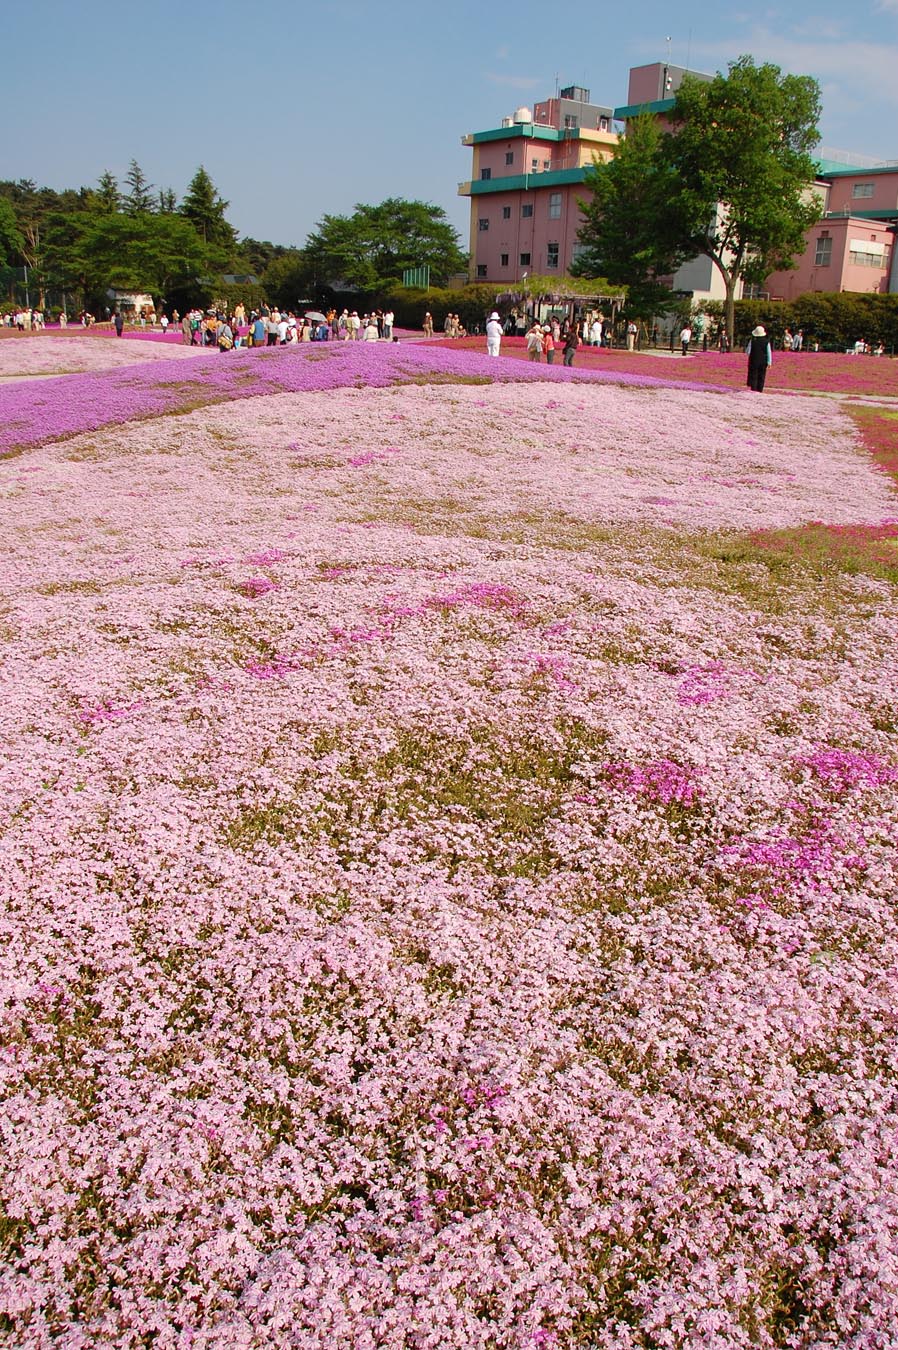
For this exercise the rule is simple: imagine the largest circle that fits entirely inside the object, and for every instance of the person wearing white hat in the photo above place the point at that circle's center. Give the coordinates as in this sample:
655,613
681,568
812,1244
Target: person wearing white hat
760,358
493,334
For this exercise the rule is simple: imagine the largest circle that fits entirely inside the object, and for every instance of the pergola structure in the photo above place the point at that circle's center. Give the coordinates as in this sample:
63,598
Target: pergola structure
540,293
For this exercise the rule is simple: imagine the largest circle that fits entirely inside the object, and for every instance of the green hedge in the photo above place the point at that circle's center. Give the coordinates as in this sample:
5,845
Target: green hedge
836,321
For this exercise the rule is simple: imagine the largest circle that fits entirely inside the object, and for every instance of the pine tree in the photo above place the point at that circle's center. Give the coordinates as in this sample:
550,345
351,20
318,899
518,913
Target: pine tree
139,196
107,194
205,210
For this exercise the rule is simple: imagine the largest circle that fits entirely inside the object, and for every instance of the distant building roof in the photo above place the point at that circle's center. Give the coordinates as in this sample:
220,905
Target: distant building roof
240,279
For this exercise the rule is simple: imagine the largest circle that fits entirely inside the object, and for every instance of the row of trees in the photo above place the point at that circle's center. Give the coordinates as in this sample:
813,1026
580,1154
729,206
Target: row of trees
82,242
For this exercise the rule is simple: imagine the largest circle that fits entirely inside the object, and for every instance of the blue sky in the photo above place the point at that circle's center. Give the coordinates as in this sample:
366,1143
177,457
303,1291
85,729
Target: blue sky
298,108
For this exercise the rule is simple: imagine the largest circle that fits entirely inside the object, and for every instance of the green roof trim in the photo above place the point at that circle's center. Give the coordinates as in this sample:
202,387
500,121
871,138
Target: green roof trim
526,130
527,182
834,170
883,215
660,105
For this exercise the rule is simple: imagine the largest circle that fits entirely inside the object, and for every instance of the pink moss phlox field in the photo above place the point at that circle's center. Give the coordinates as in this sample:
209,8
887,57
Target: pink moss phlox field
806,371
33,413
444,903
67,355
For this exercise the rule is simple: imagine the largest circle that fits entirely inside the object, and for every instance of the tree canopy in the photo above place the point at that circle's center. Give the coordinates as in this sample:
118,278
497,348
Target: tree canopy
143,252
11,240
369,250
633,232
107,194
729,180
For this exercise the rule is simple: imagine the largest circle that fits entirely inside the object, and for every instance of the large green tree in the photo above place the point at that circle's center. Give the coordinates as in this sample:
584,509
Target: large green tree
633,227
738,168
145,251
286,283
369,250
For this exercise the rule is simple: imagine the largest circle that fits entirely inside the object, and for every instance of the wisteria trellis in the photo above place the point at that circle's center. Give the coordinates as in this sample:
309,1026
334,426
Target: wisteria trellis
445,903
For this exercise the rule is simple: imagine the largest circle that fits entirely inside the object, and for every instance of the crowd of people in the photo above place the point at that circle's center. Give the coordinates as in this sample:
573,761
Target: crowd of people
35,320
542,339
269,326
272,327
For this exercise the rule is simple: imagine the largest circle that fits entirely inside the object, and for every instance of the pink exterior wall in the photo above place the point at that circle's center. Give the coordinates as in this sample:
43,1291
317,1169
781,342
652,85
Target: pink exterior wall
841,274
525,149
884,198
521,234
547,113
646,84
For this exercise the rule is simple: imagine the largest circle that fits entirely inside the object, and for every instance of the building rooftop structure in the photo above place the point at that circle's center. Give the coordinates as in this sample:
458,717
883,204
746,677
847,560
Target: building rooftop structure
653,89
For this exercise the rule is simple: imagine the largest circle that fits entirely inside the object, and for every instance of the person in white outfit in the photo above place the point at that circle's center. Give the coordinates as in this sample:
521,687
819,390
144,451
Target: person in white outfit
493,334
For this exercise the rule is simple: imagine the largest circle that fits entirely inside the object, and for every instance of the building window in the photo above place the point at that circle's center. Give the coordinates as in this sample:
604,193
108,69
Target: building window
603,124
824,254
509,157
483,224
506,213
525,259
866,255
554,205
534,166
503,259
485,175
570,122
547,164
481,269
526,211
551,255
862,190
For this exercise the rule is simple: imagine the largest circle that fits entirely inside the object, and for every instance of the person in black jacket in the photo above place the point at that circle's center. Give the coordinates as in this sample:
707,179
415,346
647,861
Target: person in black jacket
760,358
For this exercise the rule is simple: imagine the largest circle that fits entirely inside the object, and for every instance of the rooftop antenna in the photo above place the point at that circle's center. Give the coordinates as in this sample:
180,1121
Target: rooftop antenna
668,82
557,86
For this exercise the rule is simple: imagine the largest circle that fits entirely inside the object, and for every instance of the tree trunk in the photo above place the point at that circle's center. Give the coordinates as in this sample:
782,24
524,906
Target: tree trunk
730,309
730,280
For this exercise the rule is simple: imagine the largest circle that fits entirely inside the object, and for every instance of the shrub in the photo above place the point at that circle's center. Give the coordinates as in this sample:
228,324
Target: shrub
836,321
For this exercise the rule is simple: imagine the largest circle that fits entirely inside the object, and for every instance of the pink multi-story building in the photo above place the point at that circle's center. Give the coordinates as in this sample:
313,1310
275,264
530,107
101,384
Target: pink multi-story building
526,178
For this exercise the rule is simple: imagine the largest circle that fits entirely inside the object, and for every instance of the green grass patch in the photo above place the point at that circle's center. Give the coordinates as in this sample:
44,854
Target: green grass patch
878,428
